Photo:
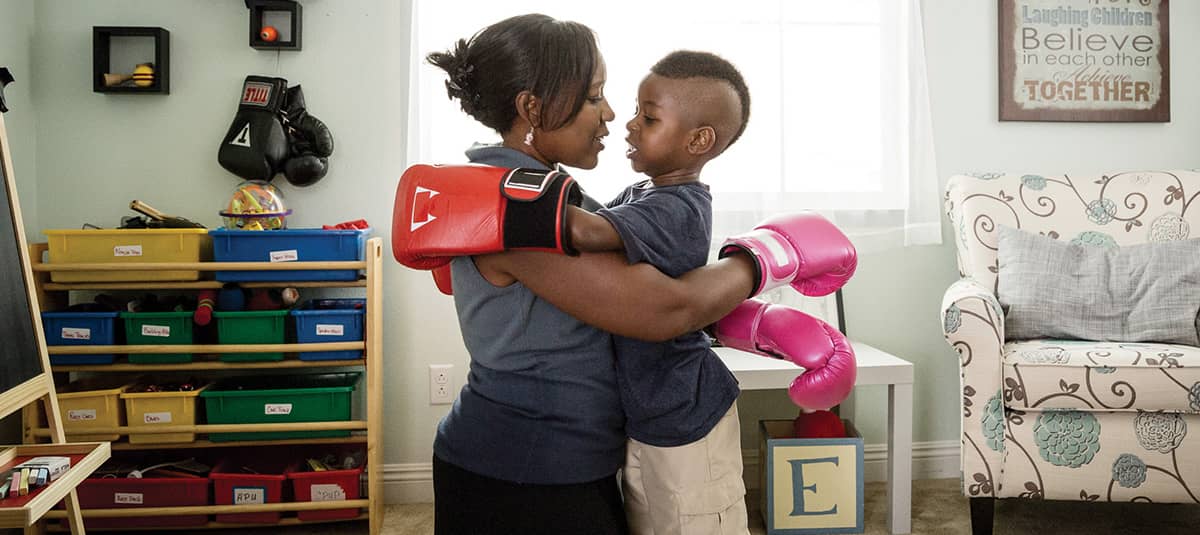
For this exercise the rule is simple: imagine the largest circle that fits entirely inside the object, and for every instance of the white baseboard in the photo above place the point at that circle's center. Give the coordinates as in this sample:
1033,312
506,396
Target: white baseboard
408,483
413,482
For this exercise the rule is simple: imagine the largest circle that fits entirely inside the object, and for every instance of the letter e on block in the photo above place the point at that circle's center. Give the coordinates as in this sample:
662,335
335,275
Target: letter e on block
811,485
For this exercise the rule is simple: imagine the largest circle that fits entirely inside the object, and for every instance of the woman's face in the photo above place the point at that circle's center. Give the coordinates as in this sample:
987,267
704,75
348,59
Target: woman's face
579,142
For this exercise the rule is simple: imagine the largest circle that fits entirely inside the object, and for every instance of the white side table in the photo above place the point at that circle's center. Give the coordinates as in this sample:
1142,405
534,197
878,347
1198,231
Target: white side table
875,367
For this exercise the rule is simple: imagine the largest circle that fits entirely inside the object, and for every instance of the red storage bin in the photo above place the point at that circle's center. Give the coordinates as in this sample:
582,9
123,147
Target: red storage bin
124,492
324,486
233,485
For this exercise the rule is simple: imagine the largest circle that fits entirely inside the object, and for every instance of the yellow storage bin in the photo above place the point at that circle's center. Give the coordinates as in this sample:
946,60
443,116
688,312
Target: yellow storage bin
88,404
127,246
145,409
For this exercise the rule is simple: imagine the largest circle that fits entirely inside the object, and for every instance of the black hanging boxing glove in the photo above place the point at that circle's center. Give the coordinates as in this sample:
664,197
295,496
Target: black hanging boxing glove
256,145
310,141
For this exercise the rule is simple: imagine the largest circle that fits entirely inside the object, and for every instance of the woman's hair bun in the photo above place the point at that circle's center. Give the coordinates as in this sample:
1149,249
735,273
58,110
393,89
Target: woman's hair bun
460,83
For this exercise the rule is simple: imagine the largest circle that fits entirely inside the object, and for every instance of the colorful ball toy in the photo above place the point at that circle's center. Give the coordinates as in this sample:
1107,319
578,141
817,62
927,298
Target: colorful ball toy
256,205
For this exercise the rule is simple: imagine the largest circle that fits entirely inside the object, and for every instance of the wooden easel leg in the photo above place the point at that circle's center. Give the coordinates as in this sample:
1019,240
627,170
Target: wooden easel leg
58,436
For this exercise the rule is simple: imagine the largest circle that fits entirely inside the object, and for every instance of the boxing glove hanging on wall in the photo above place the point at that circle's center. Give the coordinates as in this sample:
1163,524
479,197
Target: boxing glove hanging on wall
310,142
256,145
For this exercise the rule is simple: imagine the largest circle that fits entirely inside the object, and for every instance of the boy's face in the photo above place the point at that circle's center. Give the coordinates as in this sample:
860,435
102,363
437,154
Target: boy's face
660,129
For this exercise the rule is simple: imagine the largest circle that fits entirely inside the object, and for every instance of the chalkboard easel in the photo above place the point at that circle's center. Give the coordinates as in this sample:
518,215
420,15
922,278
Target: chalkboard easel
25,371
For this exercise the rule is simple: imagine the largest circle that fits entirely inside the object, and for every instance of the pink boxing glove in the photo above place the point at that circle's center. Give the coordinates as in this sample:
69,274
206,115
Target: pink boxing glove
786,333
802,249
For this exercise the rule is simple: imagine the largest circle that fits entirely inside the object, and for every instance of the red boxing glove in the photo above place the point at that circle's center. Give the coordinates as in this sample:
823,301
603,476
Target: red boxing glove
802,249
441,212
818,424
441,277
786,333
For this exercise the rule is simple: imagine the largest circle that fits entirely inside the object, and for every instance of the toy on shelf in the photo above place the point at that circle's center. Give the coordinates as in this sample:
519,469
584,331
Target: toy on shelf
256,205
142,76
152,303
357,224
206,300
187,385
272,298
234,298
164,220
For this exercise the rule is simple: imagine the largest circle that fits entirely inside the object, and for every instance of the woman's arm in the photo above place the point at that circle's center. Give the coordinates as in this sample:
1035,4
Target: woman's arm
636,301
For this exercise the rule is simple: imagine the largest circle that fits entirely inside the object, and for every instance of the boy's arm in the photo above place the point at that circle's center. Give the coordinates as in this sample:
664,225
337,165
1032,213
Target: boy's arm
591,233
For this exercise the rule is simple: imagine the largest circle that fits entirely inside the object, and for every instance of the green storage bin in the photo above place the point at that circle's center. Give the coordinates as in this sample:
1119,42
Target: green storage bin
251,327
158,328
280,399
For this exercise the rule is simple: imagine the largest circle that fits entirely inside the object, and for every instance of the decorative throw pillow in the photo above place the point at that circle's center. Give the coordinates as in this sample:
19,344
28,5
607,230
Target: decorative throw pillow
1147,292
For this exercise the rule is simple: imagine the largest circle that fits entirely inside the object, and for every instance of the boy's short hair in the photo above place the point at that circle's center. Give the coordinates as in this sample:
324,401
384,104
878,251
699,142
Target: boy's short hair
693,64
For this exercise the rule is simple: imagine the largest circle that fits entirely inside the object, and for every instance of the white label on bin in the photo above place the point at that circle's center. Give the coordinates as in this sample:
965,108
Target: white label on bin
327,493
278,408
290,255
76,333
78,415
156,330
127,250
249,495
330,330
156,417
127,498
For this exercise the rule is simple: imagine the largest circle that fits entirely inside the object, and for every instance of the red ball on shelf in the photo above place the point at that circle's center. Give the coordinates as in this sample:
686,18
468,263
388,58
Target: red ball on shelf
268,34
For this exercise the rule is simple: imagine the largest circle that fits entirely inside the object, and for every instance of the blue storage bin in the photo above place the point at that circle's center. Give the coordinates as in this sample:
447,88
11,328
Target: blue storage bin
290,245
330,320
80,329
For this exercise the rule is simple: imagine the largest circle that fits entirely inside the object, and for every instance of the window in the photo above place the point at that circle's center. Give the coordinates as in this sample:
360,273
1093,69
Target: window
839,117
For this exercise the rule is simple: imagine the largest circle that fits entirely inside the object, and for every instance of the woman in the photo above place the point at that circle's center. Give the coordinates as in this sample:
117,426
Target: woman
535,438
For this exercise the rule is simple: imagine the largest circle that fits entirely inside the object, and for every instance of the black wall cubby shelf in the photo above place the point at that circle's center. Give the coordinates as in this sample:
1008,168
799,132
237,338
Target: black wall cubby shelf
102,55
284,15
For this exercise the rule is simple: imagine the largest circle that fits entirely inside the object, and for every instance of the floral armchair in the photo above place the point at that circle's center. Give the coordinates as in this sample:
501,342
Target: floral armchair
1069,419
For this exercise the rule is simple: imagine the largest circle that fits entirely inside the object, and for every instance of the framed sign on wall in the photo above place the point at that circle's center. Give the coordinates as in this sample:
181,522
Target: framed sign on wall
1085,60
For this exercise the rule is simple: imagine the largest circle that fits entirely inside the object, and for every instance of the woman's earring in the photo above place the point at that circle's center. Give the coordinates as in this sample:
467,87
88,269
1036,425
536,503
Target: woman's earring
529,137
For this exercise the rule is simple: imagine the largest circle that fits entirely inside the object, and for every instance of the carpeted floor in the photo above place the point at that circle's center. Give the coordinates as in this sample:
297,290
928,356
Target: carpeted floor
938,509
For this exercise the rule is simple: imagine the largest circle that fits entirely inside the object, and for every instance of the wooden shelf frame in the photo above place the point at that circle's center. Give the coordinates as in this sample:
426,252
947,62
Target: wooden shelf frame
208,348
203,444
289,521
55,293
129,512
351,425
210,365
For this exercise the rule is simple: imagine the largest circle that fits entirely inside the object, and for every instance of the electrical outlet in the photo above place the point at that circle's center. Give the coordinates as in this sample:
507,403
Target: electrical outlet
441,387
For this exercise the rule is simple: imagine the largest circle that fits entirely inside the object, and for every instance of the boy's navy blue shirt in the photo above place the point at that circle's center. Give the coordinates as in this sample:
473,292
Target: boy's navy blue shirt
673,392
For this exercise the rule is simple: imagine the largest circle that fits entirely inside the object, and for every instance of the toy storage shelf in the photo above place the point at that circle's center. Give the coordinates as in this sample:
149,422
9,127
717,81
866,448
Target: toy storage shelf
200,443
367,431
197,285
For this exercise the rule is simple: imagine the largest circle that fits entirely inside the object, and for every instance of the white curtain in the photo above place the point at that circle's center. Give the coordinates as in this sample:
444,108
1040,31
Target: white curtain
839,118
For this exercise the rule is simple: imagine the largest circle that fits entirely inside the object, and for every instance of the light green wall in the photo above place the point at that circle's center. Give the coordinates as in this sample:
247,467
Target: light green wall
94,152
16,48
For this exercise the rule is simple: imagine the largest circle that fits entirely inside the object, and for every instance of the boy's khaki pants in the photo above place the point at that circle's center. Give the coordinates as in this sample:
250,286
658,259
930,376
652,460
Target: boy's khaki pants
691,489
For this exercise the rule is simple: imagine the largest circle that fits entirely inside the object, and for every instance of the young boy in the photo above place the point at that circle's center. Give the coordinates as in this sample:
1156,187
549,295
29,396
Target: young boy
683,468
